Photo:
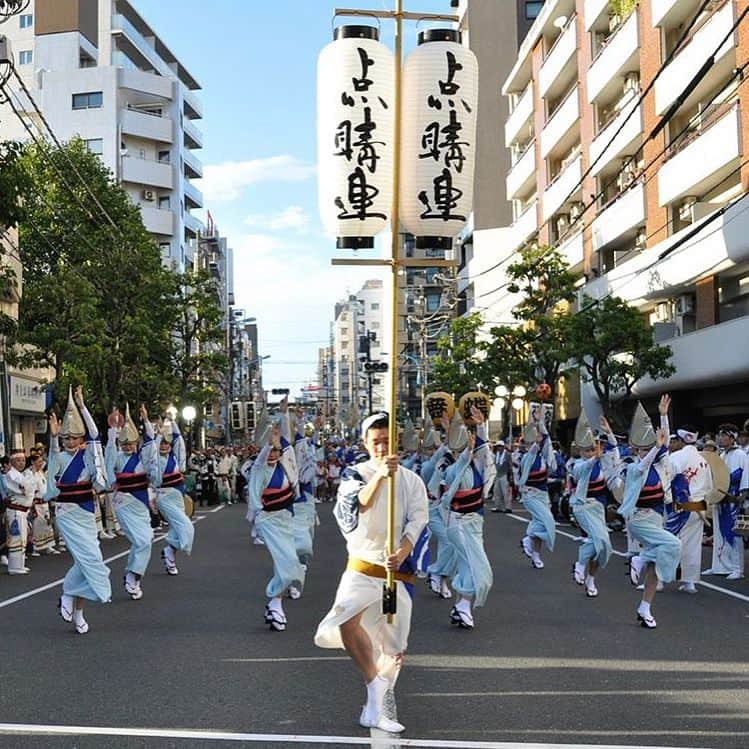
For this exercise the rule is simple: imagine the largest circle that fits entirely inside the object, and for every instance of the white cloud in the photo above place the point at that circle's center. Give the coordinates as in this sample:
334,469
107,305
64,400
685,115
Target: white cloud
294,217
226,181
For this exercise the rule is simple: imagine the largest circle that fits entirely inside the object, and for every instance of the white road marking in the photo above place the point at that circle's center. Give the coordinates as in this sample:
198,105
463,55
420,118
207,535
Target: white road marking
293,659
55,583
272,738
711,586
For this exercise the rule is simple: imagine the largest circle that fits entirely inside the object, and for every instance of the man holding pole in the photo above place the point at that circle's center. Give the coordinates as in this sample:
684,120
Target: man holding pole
375,640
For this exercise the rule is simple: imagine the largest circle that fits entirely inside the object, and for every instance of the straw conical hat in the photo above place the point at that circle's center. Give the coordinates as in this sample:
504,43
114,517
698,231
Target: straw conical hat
584,431
721,477
431,438
530,433
72,421
457,437
409,439
641,432
129,432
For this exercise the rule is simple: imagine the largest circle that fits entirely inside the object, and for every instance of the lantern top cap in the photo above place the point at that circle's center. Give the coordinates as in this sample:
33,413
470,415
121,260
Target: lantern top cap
440,35
356,32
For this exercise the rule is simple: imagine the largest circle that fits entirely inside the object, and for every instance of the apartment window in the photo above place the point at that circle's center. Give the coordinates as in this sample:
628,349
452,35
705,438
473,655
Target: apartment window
25,56
26,21
433,302
90,100
95,146
164,203
533,8
165,157
209,409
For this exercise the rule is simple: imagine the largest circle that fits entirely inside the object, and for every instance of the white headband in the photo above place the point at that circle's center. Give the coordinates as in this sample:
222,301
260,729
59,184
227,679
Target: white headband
689,437
367,423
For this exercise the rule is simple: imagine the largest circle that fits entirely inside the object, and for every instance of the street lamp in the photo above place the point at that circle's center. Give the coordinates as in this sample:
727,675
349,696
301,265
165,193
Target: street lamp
188,414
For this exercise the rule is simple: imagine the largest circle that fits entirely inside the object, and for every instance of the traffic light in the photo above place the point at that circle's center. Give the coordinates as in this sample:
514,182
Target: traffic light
280,391
375,366
237,416
250,415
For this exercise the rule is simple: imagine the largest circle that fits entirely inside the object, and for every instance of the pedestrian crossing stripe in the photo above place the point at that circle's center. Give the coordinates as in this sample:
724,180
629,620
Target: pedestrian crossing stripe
377,739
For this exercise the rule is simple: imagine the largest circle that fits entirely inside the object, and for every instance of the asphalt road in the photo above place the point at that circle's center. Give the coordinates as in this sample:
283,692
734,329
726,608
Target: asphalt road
544,665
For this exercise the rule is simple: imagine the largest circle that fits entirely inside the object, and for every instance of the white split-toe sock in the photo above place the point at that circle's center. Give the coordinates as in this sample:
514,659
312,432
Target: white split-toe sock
372,713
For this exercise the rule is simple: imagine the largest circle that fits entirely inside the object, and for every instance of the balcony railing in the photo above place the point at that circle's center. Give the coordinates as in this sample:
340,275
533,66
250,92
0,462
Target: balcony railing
701,124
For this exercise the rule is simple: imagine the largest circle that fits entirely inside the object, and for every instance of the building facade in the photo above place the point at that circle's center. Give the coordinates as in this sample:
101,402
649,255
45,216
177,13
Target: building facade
627,141
97,70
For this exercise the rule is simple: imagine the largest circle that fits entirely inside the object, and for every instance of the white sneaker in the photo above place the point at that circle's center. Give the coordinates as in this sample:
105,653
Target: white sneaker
688,588
578,573
736,575
527,546
590,587
536,561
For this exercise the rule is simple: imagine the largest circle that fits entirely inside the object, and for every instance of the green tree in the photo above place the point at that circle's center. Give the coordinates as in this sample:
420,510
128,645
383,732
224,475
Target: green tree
542,276
458,368
198,360
613,346
94,295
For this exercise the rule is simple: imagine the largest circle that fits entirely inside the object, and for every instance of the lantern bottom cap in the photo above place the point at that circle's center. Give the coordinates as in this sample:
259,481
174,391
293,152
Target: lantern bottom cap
354,243
436,243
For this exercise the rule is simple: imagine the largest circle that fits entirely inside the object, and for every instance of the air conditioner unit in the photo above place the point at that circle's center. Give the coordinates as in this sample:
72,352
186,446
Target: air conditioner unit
149,195
692,210
632,82
562,223
685,304
576,210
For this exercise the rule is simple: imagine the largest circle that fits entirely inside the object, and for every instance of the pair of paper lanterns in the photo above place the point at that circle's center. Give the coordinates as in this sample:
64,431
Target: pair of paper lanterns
356,137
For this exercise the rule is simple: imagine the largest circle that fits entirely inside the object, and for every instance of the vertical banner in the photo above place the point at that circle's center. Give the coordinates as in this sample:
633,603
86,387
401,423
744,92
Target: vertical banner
355,90
438,139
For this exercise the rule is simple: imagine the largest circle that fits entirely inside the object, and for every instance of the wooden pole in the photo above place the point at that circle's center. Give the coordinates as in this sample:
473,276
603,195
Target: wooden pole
389,595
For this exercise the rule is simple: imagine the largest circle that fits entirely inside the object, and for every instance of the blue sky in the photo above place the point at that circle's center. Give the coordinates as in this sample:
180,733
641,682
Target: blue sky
256,62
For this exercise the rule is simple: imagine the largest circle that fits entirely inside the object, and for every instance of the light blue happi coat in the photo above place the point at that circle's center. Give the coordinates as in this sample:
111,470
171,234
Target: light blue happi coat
473,577
646,525
305,515
170,499
88,577
535,500
131,509
433,475
275,528
590,514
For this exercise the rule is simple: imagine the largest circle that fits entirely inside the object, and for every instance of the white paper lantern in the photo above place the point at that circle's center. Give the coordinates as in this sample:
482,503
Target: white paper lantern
438,138
355,135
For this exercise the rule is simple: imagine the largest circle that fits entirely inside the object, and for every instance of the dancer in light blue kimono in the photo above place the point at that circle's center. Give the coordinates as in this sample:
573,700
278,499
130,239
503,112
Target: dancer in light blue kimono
536,464
73,477
444,567
166,474
646,490
127,477
464,499
305,515
271,505
591,475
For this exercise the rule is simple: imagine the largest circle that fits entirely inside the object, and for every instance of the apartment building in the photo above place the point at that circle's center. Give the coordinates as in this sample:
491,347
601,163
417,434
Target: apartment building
211,252
358,317
639,191
493,31
99,71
